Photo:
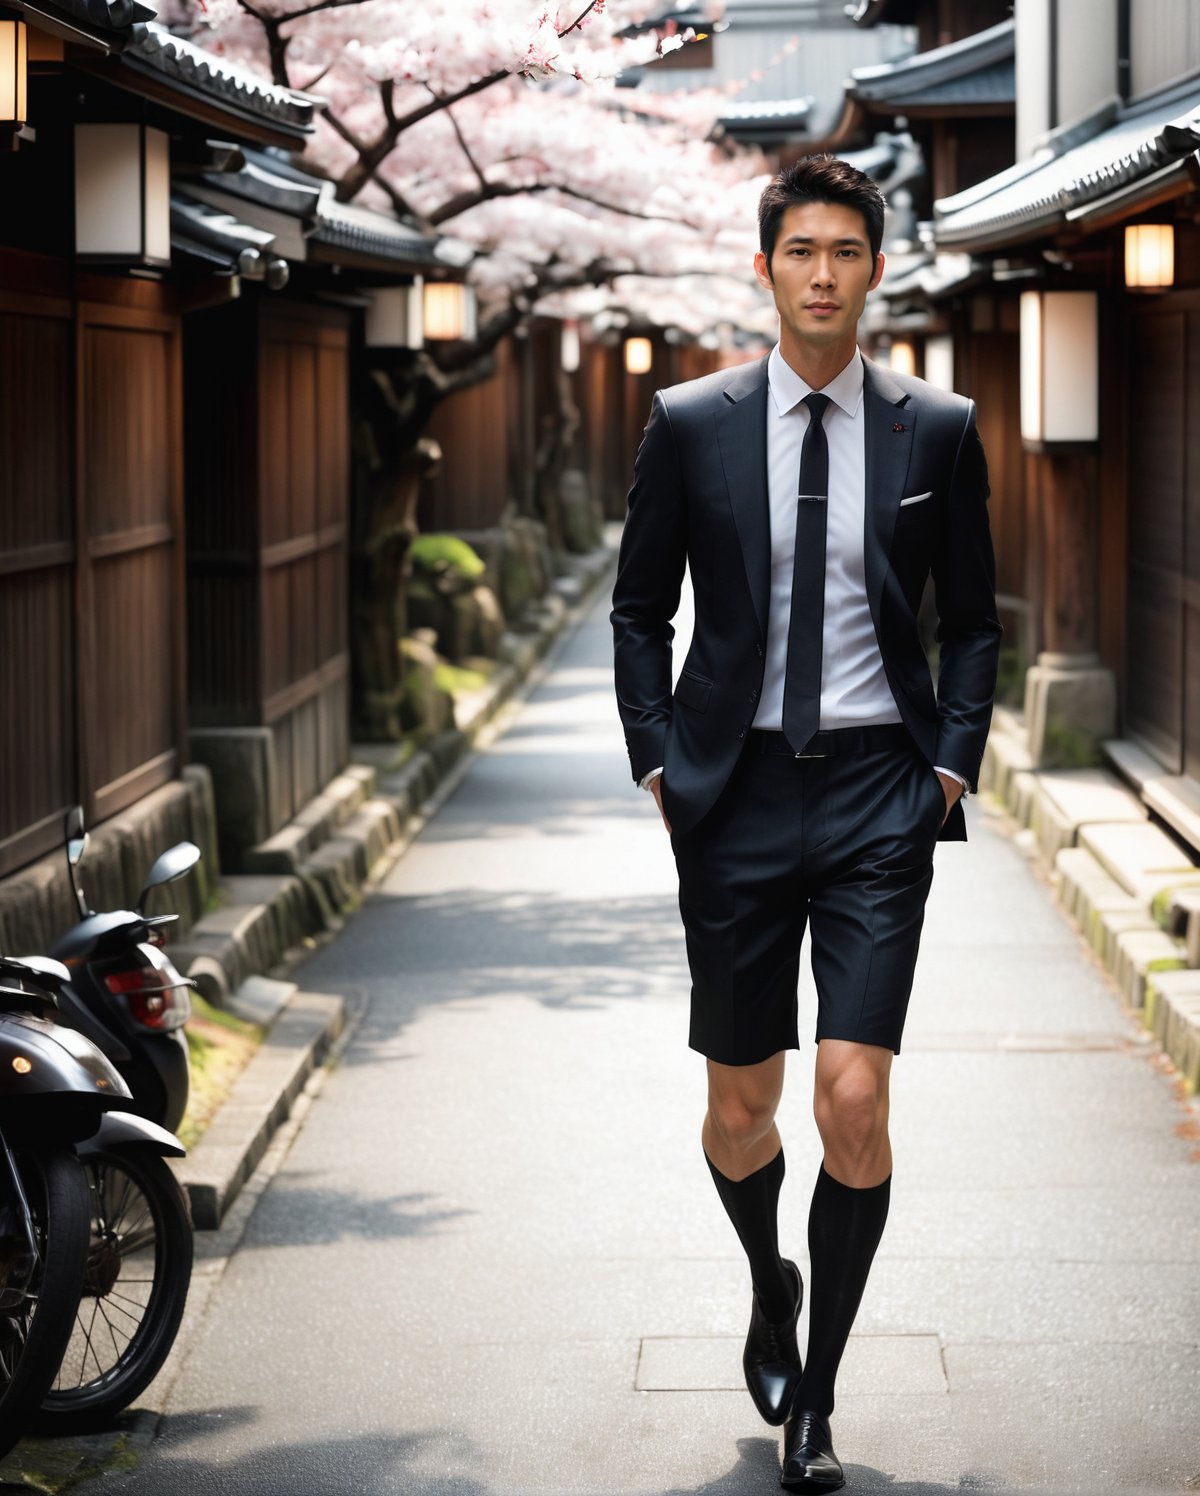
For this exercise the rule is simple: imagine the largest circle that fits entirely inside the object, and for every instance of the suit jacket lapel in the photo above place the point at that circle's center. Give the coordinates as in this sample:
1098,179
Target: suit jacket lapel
890,423
742,440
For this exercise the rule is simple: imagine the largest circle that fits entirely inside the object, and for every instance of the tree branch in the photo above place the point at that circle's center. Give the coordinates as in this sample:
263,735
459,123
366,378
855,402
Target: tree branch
398,201
464,200
309,10
277,44
578,21
357,177
466,150
387,97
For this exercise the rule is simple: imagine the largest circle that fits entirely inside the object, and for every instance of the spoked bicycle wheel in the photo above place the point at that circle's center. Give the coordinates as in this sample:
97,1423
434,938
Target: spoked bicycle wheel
39,1294
135,1287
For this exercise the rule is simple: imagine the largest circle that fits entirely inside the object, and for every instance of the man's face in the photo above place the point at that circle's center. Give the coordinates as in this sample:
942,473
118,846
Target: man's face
820,272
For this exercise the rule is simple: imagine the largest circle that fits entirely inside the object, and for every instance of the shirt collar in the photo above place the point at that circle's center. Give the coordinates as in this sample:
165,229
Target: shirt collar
788,389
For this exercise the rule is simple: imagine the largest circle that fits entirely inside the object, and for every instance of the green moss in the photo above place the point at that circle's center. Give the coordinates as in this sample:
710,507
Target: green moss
1160,906
55,1466
442,552
454,678
219,1046
1069,747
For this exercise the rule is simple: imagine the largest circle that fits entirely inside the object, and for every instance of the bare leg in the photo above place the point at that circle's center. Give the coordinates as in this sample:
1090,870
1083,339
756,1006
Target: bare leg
739,1133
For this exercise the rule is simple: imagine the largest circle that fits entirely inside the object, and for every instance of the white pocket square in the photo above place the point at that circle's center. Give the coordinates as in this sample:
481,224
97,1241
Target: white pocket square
917,498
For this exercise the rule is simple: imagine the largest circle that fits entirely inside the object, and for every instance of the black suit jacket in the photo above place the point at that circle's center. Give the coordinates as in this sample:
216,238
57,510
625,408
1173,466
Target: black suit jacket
699,498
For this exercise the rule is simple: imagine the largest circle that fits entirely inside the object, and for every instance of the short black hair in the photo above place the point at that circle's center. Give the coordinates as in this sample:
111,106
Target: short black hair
819,179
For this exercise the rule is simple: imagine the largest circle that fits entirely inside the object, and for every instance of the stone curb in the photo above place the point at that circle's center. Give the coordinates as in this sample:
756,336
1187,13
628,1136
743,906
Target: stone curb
260,1100
1134,895
303,881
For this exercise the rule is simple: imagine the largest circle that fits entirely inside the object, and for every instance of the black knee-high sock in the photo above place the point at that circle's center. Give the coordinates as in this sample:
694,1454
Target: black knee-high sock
752,1204
844,1228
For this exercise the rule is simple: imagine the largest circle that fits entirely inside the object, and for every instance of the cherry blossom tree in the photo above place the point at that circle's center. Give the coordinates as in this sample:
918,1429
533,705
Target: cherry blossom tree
501,123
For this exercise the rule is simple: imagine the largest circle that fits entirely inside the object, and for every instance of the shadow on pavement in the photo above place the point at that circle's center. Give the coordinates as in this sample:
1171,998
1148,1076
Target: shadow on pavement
411,953
374,1465
303,1216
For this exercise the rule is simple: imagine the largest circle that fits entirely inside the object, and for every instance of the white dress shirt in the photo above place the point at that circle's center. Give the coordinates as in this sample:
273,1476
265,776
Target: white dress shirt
854,684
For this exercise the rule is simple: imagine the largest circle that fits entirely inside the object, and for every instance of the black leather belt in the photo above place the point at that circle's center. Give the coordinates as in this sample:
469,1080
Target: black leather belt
838,741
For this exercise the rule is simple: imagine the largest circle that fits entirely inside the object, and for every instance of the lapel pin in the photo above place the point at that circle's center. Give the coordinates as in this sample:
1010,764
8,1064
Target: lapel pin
898,426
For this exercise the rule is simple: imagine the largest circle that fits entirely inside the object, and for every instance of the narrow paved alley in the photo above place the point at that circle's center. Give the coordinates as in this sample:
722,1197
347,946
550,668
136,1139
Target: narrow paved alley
493,1264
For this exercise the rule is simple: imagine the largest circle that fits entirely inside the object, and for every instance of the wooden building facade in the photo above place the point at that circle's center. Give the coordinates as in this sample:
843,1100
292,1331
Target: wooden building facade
267,520
91,555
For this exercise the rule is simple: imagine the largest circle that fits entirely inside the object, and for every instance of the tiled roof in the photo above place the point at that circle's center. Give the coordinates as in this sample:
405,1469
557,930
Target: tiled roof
766,120
1111,151
221,243
235,88
931,277
979,69
309,221
767,109
364,231
890,161
996,84
110,23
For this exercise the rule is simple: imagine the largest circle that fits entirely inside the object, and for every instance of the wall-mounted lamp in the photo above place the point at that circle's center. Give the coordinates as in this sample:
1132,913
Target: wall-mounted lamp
1149,256
639,355
449,311
396,316
570,347
14,57
903,357
122,195
939,361
1060,369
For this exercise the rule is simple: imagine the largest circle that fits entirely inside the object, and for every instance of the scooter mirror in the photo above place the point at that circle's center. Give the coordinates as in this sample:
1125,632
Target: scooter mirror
173,863
76,836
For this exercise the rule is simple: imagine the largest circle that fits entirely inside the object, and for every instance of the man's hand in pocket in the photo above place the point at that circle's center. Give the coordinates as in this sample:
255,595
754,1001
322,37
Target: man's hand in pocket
656,791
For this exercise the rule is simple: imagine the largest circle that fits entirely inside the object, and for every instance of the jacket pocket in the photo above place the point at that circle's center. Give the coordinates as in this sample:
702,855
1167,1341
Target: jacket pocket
917,498
693,691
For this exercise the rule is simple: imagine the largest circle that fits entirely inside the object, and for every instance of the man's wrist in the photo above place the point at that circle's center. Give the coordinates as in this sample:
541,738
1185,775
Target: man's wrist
951,774
647,780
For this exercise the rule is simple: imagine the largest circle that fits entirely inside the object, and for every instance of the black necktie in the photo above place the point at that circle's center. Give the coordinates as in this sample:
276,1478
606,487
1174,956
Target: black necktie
802,678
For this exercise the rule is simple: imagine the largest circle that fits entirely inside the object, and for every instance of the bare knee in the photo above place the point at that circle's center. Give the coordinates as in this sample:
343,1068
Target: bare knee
851,1108
743,1120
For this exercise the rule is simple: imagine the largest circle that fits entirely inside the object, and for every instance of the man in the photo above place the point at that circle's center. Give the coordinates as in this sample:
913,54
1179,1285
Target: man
804,766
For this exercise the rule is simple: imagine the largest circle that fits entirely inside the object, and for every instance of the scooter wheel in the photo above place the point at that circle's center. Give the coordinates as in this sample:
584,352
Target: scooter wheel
39,1299
135,1287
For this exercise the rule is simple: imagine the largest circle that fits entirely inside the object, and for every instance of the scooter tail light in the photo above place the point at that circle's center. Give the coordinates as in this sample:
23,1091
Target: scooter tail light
143,992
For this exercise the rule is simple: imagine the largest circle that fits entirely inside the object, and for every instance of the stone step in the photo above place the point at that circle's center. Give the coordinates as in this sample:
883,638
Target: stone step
262,917
1141,955
1173,1012
1069,799
1081,882
322,818
1142,858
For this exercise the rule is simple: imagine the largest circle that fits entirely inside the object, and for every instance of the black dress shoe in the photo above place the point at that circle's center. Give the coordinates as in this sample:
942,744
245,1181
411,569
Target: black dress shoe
772,1358
809,1463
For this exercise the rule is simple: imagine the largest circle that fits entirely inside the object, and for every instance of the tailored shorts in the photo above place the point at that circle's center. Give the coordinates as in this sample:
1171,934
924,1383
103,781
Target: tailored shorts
842,845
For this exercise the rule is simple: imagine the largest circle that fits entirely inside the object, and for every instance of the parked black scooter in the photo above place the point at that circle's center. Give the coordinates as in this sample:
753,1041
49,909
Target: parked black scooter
126,996
125,993
54,1089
